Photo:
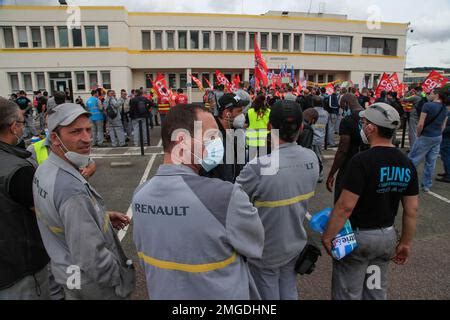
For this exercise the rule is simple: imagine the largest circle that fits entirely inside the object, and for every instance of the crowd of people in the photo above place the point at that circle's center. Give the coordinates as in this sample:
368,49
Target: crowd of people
223,216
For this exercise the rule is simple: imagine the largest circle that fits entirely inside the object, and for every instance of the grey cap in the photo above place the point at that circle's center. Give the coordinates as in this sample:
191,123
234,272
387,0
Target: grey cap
64,115
382,115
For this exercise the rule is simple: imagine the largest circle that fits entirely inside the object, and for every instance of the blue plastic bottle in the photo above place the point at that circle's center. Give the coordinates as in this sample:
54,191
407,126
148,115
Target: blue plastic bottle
343,243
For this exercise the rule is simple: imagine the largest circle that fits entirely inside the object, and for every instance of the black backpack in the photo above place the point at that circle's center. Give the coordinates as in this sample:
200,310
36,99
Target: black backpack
112,114
142,107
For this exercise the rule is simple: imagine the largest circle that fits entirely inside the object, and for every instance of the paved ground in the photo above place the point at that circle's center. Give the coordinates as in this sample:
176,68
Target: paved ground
425,277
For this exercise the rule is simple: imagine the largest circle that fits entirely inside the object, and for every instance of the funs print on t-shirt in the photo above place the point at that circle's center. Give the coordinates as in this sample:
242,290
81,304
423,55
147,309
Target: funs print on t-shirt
393,179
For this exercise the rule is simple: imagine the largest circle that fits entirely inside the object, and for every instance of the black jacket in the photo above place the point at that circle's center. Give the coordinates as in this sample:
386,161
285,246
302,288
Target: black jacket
22,252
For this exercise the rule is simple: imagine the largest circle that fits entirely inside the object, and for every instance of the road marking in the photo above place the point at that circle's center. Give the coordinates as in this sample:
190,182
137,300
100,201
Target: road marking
328,157
127,154
438,196
121,234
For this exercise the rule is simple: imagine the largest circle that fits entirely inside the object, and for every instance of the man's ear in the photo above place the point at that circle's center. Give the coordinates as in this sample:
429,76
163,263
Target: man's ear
54,139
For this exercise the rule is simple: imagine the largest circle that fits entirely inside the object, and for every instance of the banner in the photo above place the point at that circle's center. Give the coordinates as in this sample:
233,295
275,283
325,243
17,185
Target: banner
209,83
221,79
197,82
260,67
434,81
160,84
329,89
394,82
384,85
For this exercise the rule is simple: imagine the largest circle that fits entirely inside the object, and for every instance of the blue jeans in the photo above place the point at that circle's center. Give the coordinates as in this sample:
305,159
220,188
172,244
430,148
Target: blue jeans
445,156
428,148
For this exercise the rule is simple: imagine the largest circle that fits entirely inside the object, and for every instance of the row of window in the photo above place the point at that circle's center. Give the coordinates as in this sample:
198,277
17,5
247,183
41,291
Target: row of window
59,77
93,35
215,40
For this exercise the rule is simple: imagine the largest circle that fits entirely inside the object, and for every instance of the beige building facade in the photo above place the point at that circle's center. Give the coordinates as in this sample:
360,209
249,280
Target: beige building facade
59,47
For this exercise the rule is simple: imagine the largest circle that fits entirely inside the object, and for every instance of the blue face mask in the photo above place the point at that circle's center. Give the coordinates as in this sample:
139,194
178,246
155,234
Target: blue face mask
215,152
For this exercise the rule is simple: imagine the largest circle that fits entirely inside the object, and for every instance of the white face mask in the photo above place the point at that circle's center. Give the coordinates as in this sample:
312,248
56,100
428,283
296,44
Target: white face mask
239,121
215,151
77,159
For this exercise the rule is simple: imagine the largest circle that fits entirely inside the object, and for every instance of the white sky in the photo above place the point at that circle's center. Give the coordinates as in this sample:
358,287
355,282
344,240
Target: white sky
430,19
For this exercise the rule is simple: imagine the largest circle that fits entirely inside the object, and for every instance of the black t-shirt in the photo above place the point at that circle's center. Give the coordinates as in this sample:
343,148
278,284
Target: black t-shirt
362,100
23,102
40,103
380,176
350,126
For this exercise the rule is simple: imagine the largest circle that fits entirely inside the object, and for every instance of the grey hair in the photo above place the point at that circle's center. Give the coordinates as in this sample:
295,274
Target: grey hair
9,112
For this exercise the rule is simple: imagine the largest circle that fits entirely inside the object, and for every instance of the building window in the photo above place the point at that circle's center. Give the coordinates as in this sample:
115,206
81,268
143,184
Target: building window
172,80
333,44
297,42
8,36
321,78
146,36
320,43
23,38
93,79
36,37
170,39
345,44
311,78
103,36
330,78
275,40
81,84
286,41
90,36
217,40
148,83
206,36
194,40
204,83
252,40
76,36
49,37
40,80
230,40
158,40
63,37
377,46
14,82
264,41
182,40
106,79
27,82
241,40
183,80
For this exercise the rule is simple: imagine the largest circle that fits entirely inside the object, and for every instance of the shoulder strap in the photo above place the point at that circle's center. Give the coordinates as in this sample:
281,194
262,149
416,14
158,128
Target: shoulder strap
435,117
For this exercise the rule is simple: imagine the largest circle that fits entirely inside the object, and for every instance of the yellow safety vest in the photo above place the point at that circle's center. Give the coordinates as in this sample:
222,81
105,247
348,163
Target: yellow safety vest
41,151
257,129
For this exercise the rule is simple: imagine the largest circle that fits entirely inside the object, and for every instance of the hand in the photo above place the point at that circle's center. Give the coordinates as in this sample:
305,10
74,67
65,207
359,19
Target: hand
118,219
88,171
401,254
330,183
327,245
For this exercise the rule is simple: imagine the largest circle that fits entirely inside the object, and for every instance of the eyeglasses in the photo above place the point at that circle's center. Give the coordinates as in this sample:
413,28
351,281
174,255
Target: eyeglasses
22,122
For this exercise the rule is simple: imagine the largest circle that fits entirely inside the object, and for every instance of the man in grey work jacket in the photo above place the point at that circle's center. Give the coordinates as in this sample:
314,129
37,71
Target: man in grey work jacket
193,233
77,231
279,186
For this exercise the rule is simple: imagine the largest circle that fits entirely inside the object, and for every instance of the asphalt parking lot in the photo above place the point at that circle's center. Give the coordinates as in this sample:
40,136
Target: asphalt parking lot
426,276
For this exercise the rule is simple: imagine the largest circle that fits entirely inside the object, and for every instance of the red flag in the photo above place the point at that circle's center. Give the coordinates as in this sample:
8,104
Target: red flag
260,66
394,82
209,83
197,82
330,89
299,89
434,81
384,85
159,84
221,79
